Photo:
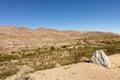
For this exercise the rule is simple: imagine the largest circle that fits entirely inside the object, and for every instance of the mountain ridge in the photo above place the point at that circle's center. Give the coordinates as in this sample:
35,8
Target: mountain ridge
4,29
16,38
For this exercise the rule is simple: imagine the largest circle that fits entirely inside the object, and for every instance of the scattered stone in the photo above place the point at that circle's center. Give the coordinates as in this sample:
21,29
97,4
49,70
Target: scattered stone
99,57
57,65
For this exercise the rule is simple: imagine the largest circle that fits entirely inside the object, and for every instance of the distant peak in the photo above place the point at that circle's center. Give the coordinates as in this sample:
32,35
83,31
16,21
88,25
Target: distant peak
23,28
45,29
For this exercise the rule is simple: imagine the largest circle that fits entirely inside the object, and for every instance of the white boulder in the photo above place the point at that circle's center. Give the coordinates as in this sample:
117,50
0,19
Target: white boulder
99,57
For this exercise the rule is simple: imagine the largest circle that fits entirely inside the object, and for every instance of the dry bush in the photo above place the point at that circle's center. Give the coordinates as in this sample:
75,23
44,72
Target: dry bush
22,74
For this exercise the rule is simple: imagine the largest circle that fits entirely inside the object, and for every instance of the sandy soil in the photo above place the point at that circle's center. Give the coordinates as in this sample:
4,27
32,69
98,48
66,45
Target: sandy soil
82,71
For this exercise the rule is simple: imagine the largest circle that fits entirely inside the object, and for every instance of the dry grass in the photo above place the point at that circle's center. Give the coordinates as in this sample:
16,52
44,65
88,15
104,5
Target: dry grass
49,48
45,58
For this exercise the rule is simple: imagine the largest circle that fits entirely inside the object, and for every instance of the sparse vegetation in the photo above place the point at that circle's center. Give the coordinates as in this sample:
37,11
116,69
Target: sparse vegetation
8,57
22,74
65,51
45,58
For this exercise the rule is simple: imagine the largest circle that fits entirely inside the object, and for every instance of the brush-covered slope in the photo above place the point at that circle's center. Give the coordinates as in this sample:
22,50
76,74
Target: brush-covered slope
16,38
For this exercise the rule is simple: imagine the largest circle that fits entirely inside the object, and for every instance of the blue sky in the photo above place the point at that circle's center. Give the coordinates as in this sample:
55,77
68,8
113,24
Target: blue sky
98,15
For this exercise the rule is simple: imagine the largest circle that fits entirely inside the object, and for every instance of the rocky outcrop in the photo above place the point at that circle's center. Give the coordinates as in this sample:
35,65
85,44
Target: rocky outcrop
99,57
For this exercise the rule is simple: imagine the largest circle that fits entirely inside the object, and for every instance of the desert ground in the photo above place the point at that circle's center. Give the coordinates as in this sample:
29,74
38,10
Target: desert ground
57,54
82,71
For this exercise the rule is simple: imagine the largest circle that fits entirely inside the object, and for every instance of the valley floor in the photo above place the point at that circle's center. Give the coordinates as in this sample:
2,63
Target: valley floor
81,71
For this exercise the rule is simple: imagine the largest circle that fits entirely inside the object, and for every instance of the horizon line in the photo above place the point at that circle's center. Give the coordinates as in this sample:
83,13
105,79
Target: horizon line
56,29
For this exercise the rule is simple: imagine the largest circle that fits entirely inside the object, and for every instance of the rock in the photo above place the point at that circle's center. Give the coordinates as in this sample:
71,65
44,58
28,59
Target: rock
99,57
57,65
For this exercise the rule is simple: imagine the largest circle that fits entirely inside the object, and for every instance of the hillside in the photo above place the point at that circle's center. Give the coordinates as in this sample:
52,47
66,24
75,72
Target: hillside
44,48
17,38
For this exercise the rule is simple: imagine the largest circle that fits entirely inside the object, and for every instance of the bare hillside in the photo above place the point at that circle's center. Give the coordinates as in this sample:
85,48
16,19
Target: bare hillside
15,38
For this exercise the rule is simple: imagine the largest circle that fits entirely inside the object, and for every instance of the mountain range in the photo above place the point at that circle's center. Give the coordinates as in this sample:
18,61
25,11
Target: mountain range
17,38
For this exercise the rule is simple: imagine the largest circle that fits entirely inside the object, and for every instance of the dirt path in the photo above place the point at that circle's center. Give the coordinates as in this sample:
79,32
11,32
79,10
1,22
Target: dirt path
82,71
96,44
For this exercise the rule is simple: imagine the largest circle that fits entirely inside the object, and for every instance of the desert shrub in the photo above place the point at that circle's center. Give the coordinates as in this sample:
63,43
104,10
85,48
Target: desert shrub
116,42
8,57
52,48
112,50
22,74
64,46
28,55
6,74
87,51
45,66
107,42
7,70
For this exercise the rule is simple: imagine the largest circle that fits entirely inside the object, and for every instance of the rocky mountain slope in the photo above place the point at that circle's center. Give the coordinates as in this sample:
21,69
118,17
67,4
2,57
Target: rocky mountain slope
17,38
